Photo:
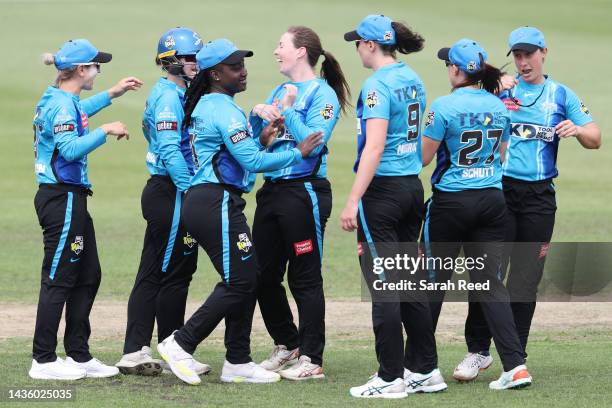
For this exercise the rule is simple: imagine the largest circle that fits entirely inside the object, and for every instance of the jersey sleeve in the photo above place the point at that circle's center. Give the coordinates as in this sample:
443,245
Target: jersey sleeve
237,138
64,127
435,122
376,100
168,118
576,110
321,116
96,103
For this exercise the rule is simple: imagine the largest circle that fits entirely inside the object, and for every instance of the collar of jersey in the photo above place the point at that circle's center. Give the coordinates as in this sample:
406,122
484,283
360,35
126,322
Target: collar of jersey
170,84
526,85
394,65
62,92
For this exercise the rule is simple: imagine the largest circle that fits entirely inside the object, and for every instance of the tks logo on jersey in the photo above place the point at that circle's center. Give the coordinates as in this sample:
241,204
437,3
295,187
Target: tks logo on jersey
527,131
165,125
244,244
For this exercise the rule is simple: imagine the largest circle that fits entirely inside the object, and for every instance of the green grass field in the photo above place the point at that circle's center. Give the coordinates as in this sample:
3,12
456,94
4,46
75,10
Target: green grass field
577,34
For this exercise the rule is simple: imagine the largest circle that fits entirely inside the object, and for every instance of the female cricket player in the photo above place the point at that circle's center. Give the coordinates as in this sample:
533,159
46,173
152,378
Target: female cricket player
295,202
385,204
169,253
70,270
469,131
543,112
225,155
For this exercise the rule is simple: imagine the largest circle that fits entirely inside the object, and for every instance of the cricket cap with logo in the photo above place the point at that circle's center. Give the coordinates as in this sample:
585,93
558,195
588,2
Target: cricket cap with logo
526,38
465,54
220,51
374,27
79,52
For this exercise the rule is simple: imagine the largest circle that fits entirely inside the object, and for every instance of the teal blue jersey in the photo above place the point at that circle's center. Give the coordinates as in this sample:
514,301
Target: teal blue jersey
470,125
395,93
535,110
316,108
62,139
223,148
169,152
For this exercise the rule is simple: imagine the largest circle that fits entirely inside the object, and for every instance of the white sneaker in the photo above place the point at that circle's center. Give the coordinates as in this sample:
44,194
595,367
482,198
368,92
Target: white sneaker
94,368
280,358
179,360
303,370
248,372
376,387
139,362
418,383
55,370
471,366
197,367
516,378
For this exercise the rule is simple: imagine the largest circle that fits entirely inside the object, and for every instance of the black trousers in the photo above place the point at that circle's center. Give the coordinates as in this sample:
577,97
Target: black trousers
168,261
288,228
391,211
213,214
475,221
70,271
530,219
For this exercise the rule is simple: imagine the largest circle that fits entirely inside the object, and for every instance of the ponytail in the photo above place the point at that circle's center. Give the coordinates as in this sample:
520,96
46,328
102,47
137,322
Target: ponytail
330,68
488,78
406,40
332,73
200,85
62,75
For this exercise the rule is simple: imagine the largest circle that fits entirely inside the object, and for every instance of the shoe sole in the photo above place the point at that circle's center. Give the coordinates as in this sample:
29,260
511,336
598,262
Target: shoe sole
429,389
238,379
465,379
391,395
515,385
98,375
175,370
313,377
51,377
145,369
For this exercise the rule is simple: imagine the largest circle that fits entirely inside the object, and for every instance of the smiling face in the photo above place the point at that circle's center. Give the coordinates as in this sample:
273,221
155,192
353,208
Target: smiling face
231,79
287,55
530,64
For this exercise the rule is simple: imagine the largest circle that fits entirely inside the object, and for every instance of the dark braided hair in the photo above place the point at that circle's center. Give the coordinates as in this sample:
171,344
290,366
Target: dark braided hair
200,85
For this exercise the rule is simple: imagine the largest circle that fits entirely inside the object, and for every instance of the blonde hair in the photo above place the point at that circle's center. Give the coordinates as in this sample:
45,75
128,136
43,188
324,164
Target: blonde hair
62,74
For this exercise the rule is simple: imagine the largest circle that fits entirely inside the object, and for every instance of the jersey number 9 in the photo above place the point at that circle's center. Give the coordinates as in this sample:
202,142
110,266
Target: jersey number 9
414,120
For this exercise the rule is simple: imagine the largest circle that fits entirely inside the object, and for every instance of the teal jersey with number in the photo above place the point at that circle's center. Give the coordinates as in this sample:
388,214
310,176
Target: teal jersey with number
395,93
470,125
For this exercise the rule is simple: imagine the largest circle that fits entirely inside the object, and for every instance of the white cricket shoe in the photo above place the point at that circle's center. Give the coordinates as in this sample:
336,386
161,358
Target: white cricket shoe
140,362
180,361
94,368
248,372
304,369
199,368
471,366
280,358
516,378
376,387
55,370
418,383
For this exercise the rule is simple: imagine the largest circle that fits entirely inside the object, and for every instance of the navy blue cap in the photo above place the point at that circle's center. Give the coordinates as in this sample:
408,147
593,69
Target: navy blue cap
220,51
527,39
78,52
374,27
465,54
